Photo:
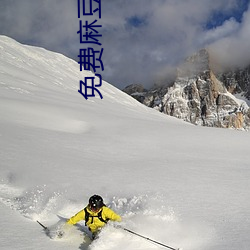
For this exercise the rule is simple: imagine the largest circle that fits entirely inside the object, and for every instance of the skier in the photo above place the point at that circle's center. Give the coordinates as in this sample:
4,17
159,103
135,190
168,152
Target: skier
95,214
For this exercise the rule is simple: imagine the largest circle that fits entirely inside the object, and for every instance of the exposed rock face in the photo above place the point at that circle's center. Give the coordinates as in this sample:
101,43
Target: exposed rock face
134,88
199,97
137,91
237,81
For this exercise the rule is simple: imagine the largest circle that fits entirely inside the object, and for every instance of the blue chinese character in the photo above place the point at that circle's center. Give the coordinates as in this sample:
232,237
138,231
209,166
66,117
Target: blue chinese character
88,11
88,59
92,87
89,35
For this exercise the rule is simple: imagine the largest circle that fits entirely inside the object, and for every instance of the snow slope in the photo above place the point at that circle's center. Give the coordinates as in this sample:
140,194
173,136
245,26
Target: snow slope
176,183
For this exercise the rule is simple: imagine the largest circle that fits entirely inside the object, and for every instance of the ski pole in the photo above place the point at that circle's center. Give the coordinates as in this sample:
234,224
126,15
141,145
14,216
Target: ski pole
45,228
146,238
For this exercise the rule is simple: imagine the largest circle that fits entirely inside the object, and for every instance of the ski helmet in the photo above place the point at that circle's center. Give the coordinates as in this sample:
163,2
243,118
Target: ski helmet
95,202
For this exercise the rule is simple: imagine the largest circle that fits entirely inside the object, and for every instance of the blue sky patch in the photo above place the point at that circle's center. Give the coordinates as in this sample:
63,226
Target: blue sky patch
136,21
219,17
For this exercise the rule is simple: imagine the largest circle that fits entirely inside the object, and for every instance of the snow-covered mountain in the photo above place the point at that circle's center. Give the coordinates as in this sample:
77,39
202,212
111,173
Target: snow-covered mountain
182,185
201,96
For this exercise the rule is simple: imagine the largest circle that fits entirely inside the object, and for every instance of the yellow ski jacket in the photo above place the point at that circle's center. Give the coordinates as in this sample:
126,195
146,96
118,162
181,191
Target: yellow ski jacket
94,223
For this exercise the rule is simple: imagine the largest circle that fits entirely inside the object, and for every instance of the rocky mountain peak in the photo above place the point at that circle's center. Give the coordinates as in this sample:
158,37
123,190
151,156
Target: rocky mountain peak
196,64
202,97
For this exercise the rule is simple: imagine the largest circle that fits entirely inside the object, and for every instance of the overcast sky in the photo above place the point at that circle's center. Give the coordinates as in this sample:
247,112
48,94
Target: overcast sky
142,40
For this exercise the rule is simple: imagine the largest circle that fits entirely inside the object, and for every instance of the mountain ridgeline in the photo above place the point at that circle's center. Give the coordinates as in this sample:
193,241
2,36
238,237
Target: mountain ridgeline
202,95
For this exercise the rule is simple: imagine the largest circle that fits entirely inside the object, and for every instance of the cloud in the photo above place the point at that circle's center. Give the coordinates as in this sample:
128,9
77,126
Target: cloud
47,23
142,39
171,31
233,49
228,28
